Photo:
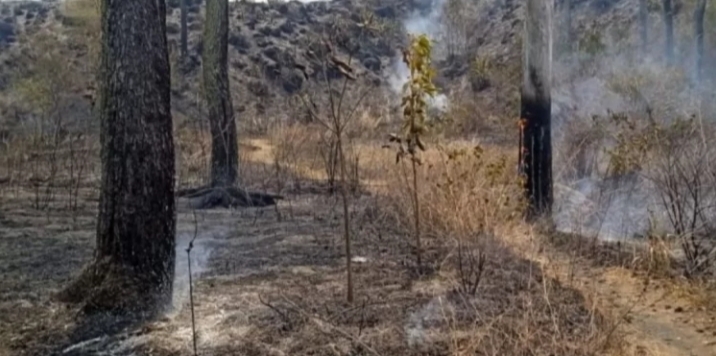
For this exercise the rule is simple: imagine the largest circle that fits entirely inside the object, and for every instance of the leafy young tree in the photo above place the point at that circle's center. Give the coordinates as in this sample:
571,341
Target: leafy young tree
133,265
417,90
535,116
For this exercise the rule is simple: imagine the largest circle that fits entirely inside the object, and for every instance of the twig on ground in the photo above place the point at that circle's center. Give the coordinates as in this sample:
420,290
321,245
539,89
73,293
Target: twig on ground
328,329
191,288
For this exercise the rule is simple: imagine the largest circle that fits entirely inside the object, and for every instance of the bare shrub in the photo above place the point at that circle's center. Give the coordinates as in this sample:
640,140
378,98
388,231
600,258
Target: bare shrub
469,196
52,118
338,77
677,161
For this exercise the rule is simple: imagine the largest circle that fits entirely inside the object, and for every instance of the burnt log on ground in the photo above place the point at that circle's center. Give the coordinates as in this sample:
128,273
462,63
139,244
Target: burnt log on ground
226,197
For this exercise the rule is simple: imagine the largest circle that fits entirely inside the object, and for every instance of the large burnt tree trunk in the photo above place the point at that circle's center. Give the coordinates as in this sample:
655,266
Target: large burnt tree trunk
644,26
669,28
535,117
133,266
184,36
699,34
222,190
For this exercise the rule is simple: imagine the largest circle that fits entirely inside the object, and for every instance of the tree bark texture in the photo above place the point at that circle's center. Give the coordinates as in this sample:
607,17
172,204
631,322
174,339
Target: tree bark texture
224,147
133,266
669,28
699,34
644,26
536,141
184,36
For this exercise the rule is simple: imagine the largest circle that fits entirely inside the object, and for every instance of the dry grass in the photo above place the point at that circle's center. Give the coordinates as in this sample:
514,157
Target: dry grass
471,207
273,284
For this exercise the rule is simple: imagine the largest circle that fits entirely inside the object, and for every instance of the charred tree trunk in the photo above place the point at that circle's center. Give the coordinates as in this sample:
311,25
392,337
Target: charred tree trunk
669,28
184,40
644,26
699,34
535,117
133,266
221,191
224,147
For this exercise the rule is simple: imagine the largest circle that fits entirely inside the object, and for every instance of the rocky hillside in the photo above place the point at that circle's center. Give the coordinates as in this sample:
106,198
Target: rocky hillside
270,41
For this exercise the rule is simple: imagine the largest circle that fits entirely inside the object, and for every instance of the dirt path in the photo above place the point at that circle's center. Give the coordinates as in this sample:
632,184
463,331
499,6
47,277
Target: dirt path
654,317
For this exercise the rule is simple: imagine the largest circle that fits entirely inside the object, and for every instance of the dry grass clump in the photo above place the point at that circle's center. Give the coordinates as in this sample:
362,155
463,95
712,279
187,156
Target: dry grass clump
467,190
518,311
484,297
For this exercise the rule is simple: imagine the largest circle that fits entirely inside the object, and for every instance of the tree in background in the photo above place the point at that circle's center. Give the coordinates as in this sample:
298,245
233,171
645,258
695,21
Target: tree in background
644,25
222,190
215,57
669,28
699,34
184,41
458,19
133,266
535,116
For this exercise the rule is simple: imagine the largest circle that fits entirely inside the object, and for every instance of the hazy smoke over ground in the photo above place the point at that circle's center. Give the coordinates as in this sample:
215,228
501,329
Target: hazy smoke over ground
615,80
200,254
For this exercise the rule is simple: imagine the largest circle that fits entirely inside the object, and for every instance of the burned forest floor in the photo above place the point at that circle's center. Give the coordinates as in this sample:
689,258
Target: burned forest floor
271,281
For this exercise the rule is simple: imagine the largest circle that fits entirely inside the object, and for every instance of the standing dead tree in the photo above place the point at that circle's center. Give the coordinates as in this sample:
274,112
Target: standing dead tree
644,26
699,34
535,116
222,190
335,72
184,40
668,13
133,266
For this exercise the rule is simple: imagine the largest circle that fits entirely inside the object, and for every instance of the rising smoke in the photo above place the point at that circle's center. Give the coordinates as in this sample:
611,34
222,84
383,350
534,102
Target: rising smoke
428,22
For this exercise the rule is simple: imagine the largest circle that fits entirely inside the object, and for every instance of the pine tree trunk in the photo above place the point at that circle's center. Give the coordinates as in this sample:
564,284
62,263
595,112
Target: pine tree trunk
643,26
699,34
222,190
536,141
224,148
133,266
669,28
184,32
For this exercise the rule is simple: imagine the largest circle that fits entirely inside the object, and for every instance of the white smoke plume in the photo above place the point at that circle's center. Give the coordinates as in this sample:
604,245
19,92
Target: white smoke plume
420,22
